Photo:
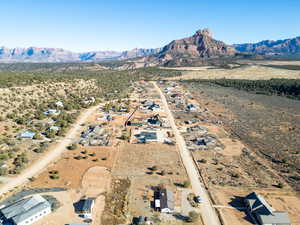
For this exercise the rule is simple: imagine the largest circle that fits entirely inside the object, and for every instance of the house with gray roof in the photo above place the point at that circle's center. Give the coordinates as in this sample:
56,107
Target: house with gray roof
263,212
164,201
25,211
85,207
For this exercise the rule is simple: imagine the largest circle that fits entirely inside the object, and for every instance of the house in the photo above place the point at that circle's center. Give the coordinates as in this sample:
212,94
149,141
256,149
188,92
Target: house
26,211
164,201
85,207
176,95
191,107
54,128
199,129
26,134
146,136
263,212
51,112
205,141
152,107
155,121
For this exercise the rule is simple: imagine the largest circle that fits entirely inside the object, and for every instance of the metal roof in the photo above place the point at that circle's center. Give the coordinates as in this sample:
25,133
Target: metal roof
148,135
264,212
84,205
275,218
166,199
25,208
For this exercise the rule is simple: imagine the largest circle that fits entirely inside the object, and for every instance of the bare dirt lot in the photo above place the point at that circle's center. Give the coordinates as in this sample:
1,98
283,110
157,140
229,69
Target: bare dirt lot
136,159
71,170
135,162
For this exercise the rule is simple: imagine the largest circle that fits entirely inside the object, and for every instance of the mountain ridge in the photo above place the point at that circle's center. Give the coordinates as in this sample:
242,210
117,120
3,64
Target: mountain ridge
290,46
196,49
36,54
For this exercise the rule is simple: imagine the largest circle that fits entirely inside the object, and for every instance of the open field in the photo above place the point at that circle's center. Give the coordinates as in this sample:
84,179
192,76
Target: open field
249,72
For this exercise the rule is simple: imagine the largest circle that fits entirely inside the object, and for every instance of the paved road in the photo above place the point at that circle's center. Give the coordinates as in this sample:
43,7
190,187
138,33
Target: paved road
49,157
208,213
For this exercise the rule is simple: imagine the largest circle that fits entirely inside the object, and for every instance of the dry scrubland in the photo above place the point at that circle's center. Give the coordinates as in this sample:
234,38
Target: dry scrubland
259,139
22,108
269,125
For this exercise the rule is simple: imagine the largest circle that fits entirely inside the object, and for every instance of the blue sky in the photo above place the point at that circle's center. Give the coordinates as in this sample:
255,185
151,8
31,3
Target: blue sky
83,25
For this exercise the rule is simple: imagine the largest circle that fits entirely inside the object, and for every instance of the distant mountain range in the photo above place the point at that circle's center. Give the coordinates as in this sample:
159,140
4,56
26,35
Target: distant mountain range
33,54
269,47
191,50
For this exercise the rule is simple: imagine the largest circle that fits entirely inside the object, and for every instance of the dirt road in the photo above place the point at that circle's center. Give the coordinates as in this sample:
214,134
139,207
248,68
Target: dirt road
52,155
207,211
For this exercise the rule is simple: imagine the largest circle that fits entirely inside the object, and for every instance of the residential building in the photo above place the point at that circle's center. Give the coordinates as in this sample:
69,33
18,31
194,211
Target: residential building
51,112
85,207
26,134
54,128
147,136
191,107
155,121
263,212
164,201
26,211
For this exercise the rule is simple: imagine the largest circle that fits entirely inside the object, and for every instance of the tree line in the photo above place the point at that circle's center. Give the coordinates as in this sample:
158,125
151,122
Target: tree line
283,87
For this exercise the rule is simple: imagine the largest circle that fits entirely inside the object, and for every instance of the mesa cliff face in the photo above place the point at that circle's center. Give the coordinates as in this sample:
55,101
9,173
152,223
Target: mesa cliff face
201,45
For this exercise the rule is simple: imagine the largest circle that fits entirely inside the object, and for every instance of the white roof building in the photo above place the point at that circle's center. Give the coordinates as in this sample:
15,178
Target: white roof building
26,211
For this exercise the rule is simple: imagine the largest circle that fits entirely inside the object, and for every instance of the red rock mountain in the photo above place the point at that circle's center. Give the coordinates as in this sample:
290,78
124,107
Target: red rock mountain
199,46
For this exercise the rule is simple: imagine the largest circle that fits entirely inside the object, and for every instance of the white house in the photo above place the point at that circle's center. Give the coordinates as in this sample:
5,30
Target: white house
26,211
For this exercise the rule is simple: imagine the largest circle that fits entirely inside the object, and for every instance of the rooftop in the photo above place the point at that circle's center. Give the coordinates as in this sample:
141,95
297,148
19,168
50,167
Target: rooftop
25,208
264,212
